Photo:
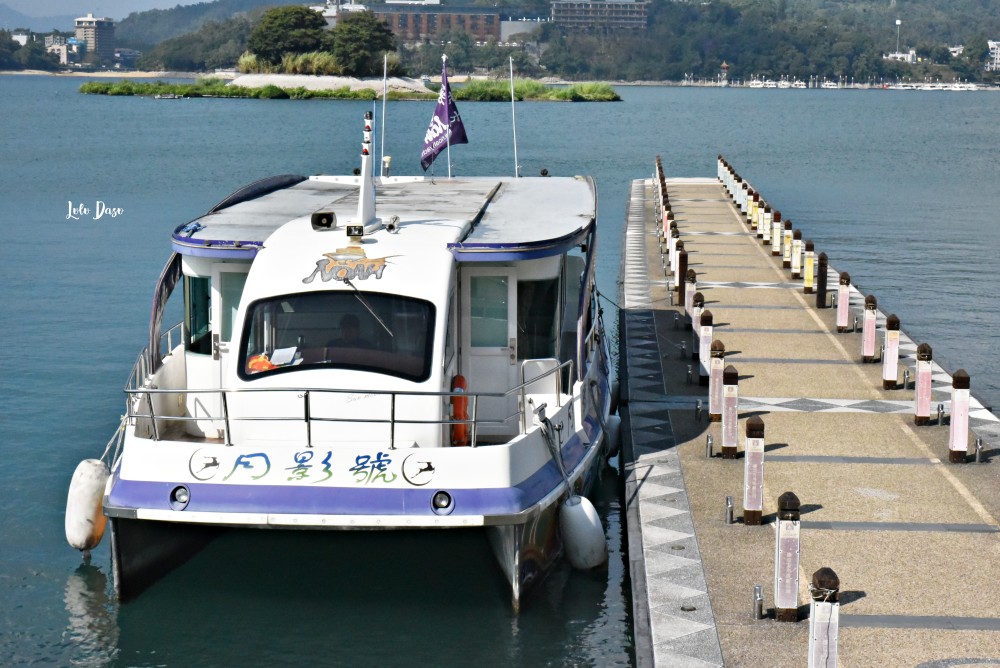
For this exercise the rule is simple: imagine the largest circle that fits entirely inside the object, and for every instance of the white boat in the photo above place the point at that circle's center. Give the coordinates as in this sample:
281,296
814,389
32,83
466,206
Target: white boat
831,85
369,353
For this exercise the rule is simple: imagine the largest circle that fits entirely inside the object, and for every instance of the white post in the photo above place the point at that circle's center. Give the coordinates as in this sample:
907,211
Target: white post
824,618
786,559
890,359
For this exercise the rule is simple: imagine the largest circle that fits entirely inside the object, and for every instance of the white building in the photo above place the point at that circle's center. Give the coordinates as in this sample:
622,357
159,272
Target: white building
993,60
908,57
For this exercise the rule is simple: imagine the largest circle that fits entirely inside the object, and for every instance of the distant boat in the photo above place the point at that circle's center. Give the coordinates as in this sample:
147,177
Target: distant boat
832,85
168,96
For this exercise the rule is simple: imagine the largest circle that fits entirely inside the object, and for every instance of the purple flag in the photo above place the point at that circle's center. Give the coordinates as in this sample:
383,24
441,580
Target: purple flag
446,125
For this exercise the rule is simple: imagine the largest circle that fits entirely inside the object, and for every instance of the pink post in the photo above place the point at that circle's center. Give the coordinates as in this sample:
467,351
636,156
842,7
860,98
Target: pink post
730,411
786,246
715,381
890,359
958,434
868,329
843,302
776,227
690,287
704,346
753,472
922,401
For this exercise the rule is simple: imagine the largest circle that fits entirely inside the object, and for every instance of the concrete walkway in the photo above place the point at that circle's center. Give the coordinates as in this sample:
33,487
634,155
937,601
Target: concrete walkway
915,540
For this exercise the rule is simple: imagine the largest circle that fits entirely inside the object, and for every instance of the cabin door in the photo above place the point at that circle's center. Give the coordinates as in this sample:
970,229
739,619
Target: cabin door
489,341
227,288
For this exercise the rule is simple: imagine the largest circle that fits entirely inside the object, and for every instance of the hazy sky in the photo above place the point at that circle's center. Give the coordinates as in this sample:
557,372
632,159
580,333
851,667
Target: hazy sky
116,9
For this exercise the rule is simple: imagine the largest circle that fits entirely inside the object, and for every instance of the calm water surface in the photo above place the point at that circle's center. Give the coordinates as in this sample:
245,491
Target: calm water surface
898,187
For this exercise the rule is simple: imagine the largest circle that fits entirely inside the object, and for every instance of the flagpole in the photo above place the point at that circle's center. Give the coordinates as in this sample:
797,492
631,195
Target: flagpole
444,63
513,119
385,74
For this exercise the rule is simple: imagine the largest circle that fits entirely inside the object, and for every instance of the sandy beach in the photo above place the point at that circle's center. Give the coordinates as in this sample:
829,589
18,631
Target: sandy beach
312,82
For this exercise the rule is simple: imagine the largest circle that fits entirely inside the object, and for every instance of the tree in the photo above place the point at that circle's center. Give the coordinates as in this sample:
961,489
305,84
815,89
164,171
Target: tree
292,29
33,56
7,48
359,40
215,44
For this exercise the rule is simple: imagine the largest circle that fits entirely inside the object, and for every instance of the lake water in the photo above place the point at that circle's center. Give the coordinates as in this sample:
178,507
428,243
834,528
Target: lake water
900,188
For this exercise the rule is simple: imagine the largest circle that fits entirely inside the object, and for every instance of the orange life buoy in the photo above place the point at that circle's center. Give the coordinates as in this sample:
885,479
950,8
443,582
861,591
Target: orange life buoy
459,411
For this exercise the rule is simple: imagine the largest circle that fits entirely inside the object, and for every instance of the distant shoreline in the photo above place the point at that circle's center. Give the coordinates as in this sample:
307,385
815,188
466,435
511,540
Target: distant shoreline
376,83
106,74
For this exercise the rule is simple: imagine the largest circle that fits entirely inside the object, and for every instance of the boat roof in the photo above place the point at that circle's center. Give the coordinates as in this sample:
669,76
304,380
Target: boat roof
494,218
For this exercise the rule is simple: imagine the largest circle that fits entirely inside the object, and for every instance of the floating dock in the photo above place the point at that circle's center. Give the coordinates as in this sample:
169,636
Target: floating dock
904,517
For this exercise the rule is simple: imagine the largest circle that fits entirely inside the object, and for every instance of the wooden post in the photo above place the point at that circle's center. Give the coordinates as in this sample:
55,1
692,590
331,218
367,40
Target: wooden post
753,472
786,560
765,233
821,272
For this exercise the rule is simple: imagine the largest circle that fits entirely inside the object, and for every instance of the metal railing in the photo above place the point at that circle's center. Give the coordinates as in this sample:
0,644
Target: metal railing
140,391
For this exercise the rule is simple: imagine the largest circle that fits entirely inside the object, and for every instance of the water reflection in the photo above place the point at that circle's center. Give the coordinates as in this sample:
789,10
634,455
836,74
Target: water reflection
92,617
375,598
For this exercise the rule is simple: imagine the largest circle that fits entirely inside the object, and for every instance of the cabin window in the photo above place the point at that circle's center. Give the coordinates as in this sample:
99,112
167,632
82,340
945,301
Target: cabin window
537,309
488,311
197,307
380,333
230,290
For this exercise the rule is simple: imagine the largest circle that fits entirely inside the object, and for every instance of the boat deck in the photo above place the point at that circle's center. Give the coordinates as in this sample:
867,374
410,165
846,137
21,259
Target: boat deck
911,536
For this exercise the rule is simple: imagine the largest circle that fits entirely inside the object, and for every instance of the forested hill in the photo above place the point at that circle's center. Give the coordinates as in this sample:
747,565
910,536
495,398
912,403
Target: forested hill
948,22
141,30
684,39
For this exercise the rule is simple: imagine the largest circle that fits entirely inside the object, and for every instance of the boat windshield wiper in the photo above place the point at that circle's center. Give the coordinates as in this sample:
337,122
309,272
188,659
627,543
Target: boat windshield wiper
357,293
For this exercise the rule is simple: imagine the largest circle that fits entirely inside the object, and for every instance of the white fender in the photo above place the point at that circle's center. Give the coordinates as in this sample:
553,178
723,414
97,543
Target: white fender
85,520
614,435
582,533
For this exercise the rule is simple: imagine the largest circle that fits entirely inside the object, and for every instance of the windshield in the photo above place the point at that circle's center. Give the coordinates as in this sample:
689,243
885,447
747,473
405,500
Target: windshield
366,331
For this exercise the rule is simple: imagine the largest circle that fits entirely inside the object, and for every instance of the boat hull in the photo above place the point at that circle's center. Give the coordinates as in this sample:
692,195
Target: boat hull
143,551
